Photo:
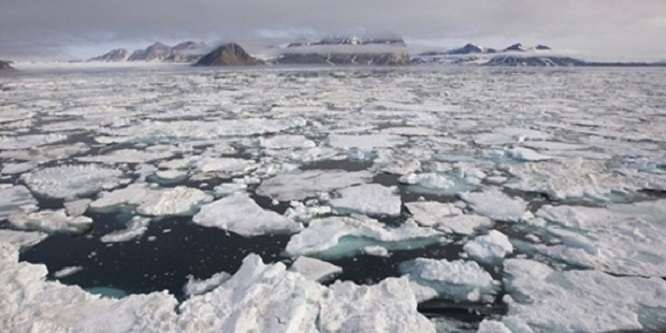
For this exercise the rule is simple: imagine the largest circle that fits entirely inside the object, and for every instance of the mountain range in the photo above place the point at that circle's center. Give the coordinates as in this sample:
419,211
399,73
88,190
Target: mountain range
356,50
184,52
5,65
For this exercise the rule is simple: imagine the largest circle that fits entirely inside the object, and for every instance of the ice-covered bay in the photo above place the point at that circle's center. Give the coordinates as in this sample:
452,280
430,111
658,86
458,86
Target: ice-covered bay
569,165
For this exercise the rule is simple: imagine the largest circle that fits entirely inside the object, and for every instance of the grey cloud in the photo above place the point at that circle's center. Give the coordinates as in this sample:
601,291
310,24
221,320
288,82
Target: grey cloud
614,27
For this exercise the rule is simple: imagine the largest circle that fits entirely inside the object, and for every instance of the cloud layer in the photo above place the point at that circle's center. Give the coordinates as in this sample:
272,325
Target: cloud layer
620,28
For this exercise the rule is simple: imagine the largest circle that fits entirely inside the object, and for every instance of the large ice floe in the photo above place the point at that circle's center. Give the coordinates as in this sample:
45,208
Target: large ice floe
335,237
70,181
580,300
311,183
240,214
371,199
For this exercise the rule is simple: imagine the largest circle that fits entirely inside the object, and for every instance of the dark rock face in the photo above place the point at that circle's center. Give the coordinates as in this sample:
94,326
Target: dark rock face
518,47
467,49
534,61
365,59
5,65
157,51
228,55
541,47
114,55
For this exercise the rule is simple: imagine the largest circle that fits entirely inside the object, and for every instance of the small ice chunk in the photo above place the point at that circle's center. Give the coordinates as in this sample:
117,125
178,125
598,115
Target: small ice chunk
50,221
389,306
199,287
465,224
305,213
427,180
134,194
77,207
526,154
240,214
170,176
180,200
136,227
21,239
307,184
70,181
315,269
493,326
15,200
496,205
376,250
341,236
490,248
67,271
370,199
455,280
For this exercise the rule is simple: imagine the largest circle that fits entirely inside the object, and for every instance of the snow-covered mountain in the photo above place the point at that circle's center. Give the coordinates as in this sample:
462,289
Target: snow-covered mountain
114,55
347,50
513,55
5,64
184,52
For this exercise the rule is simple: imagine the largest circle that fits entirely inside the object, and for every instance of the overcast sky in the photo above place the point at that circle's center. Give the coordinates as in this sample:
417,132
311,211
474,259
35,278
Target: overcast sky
620,29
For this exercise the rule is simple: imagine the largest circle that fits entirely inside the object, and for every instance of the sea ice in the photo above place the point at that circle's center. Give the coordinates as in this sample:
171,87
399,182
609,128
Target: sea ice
199,287
388,306
179,200
15,200
622,239
50,221
306,184
17,168
339,236
70,181
136,227
286,141
315,269
304,213
21,239
29,141
370,199
578,301
457,280
365,142
430,213
526,154
496,205
127,156
67,271
77,207
240,214
490,248
258,298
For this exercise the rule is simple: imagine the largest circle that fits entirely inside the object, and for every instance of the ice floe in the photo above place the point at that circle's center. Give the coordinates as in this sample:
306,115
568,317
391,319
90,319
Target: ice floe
240,214
29,141
311,183
370,199
71,181
490,248
340,236
21,239
620,239
180,200
315,269
496,205
127,156
447,217
77,207
15,200
579,301
202,286
50,221
67,271
458,280
136,227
